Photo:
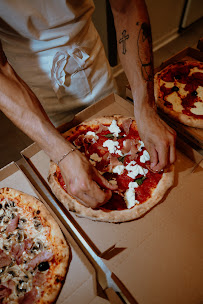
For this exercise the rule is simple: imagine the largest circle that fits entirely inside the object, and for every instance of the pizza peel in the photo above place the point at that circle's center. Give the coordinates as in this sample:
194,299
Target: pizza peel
114,289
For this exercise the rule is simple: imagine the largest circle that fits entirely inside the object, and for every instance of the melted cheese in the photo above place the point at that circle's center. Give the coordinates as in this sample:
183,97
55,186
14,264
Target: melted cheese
129,195
198,110
114,128
200,93
175,100
195,70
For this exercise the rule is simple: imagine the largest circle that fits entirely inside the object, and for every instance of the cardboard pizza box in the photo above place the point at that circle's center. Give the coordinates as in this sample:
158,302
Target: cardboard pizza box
192,136
80,285
157,257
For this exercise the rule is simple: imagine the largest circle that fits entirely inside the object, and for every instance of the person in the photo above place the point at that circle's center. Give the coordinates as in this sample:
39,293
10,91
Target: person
52,64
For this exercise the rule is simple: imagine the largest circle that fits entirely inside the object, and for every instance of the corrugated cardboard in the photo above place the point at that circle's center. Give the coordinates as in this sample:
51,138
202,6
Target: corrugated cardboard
80,285
191,135
157,257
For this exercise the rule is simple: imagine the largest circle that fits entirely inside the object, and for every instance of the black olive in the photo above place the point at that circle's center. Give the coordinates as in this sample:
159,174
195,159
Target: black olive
43,266
194,93
38,212
177,76
0,206
175,89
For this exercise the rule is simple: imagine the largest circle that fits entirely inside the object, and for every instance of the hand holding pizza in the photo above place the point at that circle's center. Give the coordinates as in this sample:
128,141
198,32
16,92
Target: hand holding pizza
84,182
158,137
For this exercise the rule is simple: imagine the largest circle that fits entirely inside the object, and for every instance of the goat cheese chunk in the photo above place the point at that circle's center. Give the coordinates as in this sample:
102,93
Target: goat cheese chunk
134,169
114,128
144,157
129,195
111,145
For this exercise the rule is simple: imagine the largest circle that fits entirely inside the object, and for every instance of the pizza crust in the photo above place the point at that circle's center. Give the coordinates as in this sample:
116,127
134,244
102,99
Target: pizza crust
190,121
59,246
114,216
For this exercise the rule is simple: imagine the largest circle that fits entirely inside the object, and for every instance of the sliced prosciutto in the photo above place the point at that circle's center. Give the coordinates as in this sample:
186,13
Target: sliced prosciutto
17,250
30,297
43,256
5,260
28,244
39,279
13,224
126,125
4,292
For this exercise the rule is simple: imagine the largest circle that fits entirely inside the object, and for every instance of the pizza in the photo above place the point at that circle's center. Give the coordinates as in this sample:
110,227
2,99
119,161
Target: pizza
113,146
179,92
33,252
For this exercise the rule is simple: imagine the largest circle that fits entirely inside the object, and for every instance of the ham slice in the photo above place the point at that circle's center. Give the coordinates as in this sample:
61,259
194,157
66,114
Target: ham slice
5,260
126,125
30,297
113,162
13,224
43,256
39,279
4,292
28,244
17,250
101,129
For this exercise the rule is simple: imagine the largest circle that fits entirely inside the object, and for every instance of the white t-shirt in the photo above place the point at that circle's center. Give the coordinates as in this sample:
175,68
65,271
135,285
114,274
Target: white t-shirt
55,48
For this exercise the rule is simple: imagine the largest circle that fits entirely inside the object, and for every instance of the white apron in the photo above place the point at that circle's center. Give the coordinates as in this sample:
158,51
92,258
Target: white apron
55,48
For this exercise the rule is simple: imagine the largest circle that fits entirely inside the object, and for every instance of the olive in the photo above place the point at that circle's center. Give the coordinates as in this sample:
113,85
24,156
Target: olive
43,266
177,76
0,206
175,89
194,93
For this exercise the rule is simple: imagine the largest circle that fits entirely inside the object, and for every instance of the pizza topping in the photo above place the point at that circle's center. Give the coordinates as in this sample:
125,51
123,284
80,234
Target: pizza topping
43,266
119,169
134,170
144,157
126,125
95,157
92,135
175,89
198,108
39,258
194,93
130,195
39,279
5,260
114,128
13,224
4,292
30,297
17,251
111,145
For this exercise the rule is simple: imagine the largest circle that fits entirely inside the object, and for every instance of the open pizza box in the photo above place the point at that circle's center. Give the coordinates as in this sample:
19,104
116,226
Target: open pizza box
157,257
80,284
192,136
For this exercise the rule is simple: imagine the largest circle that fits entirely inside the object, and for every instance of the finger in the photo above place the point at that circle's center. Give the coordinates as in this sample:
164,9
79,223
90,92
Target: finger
172,156
95,200
100,180
153,157
163,157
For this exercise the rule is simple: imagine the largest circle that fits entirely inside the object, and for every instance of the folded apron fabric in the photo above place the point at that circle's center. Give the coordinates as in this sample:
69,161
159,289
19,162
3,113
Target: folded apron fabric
55,48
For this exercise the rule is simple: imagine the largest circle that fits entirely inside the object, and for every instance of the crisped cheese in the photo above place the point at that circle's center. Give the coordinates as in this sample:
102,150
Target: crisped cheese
129,195
114,128
198,110
175,100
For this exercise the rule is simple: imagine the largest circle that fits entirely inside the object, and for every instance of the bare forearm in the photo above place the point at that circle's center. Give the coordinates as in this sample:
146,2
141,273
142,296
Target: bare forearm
135,48
22,107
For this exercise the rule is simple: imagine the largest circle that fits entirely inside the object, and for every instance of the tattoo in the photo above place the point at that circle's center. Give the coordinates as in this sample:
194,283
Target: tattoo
144,44
123,41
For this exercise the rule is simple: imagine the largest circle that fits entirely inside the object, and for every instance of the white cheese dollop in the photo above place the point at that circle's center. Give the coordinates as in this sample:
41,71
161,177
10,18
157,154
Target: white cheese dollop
94,136
119,169
111,145
114,128
129,195
135,169
141,145
144,157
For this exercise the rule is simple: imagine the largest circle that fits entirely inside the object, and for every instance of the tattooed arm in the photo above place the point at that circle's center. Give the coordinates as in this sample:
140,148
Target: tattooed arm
135,51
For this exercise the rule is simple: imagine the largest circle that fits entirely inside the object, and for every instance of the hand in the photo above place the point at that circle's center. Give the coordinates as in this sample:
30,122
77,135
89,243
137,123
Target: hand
158,137
84,182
